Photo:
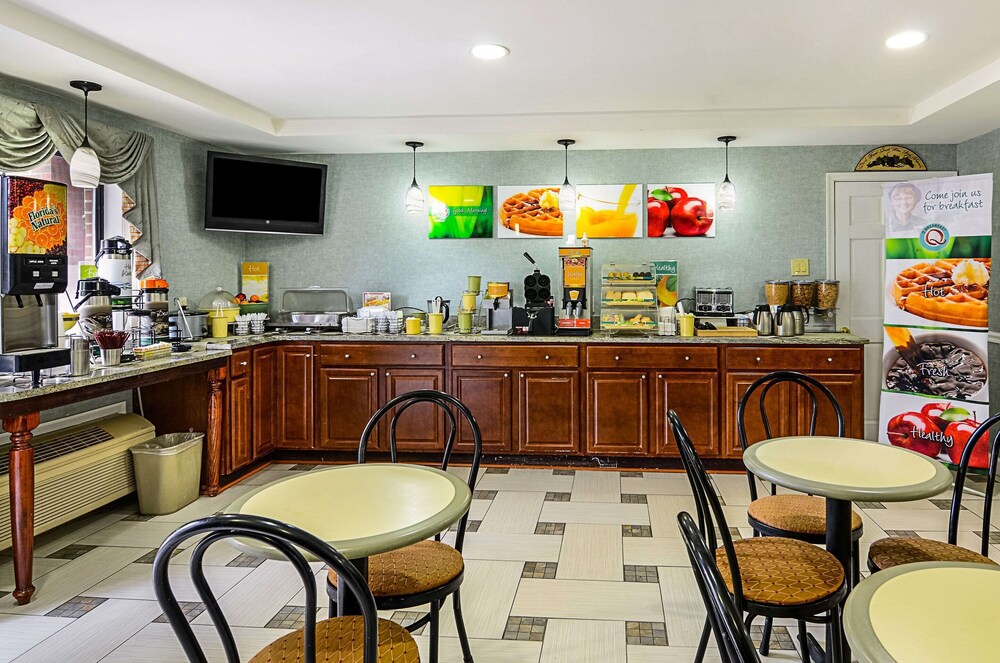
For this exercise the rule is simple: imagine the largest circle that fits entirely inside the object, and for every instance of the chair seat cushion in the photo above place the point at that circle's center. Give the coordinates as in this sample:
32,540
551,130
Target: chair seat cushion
886,553
342,640
802,514
411,570
782,572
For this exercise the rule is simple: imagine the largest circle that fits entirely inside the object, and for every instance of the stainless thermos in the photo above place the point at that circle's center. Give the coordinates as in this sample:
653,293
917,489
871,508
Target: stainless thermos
79,356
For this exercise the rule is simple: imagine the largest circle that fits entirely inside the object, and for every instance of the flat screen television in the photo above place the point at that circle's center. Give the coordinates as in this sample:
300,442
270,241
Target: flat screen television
261,195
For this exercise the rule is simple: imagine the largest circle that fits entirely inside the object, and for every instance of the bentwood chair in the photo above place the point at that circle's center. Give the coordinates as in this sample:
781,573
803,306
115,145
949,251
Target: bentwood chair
429,571
886,553
361,638
768,576
730,633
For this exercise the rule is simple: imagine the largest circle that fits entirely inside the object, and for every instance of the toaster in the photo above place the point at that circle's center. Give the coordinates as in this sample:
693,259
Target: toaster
713,301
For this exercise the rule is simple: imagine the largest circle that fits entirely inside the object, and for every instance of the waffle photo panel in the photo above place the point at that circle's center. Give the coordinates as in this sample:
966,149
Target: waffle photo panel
529,212
680,210
932,426
937,292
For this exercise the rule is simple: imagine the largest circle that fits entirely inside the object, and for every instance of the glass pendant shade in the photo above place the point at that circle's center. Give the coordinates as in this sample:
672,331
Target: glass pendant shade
84,168
567,197
414,200
726,199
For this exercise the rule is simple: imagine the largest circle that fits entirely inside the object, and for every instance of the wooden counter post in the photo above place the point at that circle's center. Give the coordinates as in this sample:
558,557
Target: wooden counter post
213,436
22,501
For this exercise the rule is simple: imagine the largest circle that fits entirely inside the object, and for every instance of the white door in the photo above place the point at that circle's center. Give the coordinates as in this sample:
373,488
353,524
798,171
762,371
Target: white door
856,257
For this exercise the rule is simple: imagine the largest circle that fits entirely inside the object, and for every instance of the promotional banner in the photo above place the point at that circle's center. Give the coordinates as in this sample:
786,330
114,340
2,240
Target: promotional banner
935,381
460,212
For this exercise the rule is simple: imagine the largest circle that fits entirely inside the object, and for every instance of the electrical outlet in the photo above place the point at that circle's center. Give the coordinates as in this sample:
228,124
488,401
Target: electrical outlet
800,266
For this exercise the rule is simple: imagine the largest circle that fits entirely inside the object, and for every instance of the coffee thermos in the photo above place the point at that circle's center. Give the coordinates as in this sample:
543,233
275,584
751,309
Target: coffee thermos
79,356
762,320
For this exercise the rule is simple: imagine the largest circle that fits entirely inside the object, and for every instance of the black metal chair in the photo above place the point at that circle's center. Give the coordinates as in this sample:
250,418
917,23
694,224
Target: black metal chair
429,571
337,639
886,553
730,632
801,517
768,576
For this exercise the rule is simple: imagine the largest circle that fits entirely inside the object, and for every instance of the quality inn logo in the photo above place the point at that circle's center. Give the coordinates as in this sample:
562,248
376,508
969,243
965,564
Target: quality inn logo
934,236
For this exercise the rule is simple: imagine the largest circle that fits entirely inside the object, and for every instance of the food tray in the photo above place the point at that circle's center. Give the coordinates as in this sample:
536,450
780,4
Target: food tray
636,282
727,331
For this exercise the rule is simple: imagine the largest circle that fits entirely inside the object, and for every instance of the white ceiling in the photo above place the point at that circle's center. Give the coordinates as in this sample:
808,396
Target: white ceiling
337,76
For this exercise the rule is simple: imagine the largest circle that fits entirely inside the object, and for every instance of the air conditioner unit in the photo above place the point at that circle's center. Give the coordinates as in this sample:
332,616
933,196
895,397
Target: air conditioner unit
77,469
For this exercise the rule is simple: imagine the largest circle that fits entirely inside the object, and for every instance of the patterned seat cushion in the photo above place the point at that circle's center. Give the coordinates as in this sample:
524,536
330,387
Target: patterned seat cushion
802,514
782,572
886,553
342,640
411,570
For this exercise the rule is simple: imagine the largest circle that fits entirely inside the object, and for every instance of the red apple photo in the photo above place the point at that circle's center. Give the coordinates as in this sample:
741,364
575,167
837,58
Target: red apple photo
916,432
960,432
691,217
657,216
933,411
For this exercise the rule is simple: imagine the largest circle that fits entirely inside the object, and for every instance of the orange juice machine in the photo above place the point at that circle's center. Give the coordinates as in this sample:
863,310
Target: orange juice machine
34,271
574,309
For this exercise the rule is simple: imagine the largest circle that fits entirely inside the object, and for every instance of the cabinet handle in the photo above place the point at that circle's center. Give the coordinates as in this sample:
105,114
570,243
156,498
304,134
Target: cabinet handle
243,363
347,356
829,360
617,357
372,374
758,359
642,377
686,358
413,356
479,356
659,376
308,356
546,356
522,375
387,374
506,375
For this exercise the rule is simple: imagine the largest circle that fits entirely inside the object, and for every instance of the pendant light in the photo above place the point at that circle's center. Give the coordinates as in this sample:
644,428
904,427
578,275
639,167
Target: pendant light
84,168
567,192
414,195
727,190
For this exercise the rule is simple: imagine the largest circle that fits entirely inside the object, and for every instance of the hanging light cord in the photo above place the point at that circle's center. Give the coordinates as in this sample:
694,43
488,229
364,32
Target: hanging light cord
414,167
566,165
727,161
86,118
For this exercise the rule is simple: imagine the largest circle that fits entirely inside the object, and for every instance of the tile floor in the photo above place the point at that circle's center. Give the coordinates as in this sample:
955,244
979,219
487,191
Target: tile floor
562,565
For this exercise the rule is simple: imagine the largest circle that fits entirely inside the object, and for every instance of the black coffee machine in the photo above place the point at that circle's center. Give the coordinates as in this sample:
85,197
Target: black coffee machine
537,317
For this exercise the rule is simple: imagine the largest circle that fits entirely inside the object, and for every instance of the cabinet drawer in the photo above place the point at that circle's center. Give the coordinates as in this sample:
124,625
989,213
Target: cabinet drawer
239,364
382,354
794,359
515,355
655,358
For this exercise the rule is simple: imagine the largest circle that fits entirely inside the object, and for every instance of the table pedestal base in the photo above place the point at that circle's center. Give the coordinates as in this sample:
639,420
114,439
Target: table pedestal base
838,543
347,603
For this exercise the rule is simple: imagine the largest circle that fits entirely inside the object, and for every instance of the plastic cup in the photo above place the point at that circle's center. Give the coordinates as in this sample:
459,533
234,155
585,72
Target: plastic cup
435,323
413,326
465,323
469,300
686,323
475,283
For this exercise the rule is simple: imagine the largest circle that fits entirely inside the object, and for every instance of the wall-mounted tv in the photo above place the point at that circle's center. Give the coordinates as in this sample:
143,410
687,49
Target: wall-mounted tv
261,195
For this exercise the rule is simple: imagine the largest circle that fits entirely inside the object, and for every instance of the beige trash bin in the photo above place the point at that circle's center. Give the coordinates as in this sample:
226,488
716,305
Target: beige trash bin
167,472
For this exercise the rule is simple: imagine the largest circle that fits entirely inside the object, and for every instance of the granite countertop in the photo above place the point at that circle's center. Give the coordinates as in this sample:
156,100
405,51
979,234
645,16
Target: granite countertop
237,342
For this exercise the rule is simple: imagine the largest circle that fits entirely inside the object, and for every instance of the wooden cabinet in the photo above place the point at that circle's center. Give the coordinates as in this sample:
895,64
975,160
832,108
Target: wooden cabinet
548,411
421,427
295,396
487,393
265,394
346,400
695,397
240,423
617,405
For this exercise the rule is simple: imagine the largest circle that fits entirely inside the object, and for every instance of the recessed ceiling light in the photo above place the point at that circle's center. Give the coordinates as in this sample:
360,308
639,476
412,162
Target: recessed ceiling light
907,39
490,51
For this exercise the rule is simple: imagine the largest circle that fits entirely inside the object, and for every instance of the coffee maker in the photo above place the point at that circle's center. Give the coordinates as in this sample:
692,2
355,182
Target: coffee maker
34,271
537,316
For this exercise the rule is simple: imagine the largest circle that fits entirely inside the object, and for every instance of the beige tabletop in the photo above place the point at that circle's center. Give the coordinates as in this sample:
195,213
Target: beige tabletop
926,612
361,510
847,469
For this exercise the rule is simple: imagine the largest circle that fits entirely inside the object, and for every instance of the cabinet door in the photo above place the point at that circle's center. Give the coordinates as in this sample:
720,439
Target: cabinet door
780,412
695,398
848,388
346,399
617,412
487,394
265,372
548,411
240,423
295,397
421,427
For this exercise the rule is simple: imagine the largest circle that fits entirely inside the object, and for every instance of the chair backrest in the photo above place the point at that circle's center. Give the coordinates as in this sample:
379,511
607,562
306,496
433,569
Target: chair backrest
730,633
981,432
290,541
710,515
810,387
400,404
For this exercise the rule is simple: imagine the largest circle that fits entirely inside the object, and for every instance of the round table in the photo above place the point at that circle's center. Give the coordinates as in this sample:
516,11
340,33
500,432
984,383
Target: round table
844,470
360,510
924,613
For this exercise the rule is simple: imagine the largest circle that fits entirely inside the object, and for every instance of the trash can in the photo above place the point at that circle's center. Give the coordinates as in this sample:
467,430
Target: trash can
167,472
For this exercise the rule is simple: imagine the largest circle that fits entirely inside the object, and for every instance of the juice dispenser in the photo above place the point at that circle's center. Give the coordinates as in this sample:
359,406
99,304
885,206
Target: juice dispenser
574,309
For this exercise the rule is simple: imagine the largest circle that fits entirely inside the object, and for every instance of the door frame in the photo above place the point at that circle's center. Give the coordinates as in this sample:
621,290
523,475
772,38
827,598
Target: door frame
862,176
